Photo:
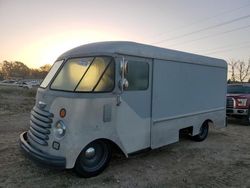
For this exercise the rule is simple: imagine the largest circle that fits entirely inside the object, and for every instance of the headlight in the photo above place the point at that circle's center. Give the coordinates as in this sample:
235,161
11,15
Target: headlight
241,102
59,129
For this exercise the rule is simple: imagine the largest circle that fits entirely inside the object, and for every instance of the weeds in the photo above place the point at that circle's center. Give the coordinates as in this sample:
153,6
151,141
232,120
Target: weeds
17,91
16,100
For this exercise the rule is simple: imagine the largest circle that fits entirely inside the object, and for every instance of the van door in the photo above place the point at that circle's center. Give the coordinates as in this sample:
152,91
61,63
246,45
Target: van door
134,112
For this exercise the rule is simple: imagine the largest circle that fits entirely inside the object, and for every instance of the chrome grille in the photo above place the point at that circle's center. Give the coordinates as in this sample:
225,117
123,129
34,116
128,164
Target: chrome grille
230,102
40,124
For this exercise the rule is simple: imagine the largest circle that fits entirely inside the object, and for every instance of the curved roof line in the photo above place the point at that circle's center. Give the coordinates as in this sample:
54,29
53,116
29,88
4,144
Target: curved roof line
142,50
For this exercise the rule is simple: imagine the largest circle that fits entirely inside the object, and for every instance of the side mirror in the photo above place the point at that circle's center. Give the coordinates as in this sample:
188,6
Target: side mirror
123,68
123,83
126,67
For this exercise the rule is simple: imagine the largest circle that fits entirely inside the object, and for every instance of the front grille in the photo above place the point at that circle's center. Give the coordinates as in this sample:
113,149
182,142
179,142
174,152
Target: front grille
230,102
40,124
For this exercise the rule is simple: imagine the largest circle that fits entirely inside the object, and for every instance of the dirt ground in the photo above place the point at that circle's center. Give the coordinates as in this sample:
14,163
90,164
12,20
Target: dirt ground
222,160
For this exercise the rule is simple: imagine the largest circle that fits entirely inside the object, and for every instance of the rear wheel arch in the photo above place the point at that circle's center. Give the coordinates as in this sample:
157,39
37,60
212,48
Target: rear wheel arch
209,122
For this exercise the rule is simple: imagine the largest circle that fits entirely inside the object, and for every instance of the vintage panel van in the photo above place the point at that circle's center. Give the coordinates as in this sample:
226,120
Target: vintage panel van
130,95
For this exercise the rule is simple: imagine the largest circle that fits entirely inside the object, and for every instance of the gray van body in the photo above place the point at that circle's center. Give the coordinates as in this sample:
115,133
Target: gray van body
184,90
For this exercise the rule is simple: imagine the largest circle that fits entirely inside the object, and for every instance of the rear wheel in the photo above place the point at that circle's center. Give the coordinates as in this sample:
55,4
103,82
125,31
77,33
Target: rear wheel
93,159
203,133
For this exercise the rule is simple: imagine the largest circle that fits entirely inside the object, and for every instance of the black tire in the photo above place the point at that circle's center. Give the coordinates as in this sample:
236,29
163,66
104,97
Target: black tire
91,164
203,133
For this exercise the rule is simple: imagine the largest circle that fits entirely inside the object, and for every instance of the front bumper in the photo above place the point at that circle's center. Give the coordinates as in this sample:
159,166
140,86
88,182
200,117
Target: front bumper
39,156
233,111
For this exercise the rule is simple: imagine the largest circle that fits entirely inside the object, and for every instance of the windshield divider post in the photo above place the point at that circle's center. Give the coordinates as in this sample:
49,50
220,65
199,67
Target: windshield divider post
84,74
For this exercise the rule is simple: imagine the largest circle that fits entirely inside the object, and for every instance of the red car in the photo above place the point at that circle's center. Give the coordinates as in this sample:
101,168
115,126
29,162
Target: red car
238,100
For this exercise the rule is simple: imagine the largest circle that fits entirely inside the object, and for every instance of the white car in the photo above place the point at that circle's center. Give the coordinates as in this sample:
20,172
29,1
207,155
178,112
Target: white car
27,85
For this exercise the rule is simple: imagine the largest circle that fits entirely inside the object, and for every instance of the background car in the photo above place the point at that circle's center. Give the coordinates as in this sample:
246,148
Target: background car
238,101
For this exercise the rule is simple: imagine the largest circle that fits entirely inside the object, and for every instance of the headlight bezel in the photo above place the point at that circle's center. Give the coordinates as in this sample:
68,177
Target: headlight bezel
59,129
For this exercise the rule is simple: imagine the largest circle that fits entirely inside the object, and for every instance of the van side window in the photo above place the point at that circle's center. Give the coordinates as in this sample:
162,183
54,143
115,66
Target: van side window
138,75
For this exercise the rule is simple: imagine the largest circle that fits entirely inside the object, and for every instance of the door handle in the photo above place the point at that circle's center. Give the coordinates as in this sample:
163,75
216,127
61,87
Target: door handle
118,98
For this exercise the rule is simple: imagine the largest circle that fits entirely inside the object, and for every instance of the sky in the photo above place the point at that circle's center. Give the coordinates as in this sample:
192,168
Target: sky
36,32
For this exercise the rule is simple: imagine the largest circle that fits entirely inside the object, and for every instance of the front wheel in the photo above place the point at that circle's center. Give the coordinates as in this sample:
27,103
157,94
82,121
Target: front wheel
93,159
203,133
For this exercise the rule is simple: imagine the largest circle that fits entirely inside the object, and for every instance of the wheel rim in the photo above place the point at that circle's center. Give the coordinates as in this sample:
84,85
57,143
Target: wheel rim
94,156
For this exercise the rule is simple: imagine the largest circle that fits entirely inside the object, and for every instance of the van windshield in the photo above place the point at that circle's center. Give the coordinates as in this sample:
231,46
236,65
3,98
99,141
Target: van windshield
238,89
51,74
90,74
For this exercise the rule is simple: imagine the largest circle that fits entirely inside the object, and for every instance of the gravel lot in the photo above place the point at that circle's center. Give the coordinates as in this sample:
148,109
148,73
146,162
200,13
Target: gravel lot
222,160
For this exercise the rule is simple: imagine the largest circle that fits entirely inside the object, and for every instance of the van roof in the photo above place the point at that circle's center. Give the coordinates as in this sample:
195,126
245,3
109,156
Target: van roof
141,50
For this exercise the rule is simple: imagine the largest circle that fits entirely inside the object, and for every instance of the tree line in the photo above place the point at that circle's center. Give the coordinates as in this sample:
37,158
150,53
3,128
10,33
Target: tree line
17,70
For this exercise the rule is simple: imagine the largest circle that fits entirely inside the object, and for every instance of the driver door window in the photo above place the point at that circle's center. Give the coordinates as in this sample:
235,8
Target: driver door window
137,75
